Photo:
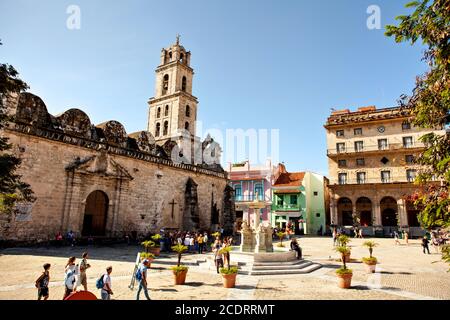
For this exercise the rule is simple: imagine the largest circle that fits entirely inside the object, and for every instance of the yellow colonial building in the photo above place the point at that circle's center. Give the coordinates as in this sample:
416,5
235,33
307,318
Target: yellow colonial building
371,164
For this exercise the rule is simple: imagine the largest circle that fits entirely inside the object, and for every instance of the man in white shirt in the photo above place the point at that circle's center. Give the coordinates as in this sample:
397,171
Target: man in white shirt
143,281
106,290
187,242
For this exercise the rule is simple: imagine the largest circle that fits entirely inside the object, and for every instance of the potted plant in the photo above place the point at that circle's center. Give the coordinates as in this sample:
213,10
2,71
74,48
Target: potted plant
228,274
344,275
371,261
148,245
149,256
179,271
280,235
156,249
343,241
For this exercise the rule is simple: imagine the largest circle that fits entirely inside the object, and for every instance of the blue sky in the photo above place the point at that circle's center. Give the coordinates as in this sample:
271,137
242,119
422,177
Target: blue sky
258,64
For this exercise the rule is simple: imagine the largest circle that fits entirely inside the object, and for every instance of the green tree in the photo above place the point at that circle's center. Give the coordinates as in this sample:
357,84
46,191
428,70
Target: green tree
430,104
12,188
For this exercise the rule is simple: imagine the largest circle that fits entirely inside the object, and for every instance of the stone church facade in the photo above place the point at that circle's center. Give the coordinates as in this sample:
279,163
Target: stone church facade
97,180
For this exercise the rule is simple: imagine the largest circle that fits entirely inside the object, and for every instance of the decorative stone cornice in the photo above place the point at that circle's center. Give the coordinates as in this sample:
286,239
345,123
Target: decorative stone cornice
95,145
154,100
173,64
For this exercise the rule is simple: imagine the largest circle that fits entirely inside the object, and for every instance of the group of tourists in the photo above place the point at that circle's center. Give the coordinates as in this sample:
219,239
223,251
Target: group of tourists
197,242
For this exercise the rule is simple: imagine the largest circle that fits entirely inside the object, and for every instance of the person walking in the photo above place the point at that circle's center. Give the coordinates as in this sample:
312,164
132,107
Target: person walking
42,283
425,242
70,279
360,233
187,242
200,243
106,291
334,236
295,247
406,236
205,242
218,258
143,279
397,241
84,265
192,244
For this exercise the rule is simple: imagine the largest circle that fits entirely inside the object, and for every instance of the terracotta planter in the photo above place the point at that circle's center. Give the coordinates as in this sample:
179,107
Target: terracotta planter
370,267
344,280
155,250
179,277
229,280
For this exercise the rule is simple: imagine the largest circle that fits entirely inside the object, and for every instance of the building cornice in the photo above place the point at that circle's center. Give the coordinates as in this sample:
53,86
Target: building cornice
177,94
173,64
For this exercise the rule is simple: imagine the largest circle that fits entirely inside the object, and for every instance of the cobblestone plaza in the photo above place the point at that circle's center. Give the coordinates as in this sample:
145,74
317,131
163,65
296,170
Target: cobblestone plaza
403,272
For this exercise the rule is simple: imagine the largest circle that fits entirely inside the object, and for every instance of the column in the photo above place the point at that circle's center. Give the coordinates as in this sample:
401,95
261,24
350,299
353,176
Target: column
377,213
402,215
333,211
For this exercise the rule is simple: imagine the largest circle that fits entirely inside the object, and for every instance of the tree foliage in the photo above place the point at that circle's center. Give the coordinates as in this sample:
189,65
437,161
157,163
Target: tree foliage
12,188
430,104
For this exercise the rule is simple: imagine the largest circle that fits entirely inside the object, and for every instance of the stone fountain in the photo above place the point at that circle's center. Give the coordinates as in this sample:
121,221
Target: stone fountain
257,238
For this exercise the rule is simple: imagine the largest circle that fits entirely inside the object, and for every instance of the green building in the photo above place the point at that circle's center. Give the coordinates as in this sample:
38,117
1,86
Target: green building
298,199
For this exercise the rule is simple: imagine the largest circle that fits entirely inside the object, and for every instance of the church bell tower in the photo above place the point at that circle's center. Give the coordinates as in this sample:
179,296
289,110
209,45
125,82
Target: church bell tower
173,109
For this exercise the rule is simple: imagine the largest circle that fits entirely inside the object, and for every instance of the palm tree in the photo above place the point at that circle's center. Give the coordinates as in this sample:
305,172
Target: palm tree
148,244
179,249
226,250
280,236
343,250
370,245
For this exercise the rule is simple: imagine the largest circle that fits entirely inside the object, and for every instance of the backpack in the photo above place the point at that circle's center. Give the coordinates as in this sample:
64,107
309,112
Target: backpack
70,279
99,283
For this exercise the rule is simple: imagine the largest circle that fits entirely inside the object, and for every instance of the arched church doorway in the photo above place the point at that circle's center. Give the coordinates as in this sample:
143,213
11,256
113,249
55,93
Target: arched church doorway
95,214
388,207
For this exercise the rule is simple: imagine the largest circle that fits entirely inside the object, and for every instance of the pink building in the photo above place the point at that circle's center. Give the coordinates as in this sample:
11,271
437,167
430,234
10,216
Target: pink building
248,181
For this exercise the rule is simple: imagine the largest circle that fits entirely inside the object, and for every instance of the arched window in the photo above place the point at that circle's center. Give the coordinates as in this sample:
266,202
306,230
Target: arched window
158,130
170,56
188,111
158,113
186,126
166,111
181,57
166,128
165,84
183,84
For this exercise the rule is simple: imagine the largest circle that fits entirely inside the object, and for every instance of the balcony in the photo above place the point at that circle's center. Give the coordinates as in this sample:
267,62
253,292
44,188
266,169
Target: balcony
348,150
356,181
286,207
251,198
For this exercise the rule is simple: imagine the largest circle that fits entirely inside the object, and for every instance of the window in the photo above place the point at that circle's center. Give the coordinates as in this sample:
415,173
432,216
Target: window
318,215
188,111
406,125
385,176
340,133
342,178
181,57
384,160
409,159
360,162
340,147
166,81
158,129
358,132
259,190
411,175
342,163
407,142
183,84
293,199
382,144
359,146
361,177
238,192
316,193
158,113
166,128
280,200
186,126
166,111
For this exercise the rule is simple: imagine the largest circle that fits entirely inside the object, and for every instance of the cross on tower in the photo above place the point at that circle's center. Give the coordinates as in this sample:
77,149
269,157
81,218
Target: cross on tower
178,38
173,203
